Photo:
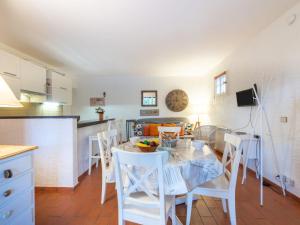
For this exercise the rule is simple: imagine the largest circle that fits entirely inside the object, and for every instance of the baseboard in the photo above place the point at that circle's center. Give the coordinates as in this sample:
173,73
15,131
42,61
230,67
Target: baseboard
266,181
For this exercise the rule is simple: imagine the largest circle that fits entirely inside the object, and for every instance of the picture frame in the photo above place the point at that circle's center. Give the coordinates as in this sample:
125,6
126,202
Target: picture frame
148,98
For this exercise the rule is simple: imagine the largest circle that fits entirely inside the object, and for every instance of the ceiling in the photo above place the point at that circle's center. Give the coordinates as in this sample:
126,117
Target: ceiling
134,37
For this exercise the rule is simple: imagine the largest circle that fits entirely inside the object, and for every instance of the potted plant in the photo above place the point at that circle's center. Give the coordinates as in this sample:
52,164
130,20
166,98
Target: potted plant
100,111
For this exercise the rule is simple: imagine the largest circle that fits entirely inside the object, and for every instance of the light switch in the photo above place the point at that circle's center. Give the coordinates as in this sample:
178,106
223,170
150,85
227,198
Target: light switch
283,119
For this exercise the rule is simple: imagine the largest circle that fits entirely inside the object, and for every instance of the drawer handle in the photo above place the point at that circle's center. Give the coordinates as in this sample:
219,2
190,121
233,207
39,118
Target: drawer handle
7,214
8,174
7,193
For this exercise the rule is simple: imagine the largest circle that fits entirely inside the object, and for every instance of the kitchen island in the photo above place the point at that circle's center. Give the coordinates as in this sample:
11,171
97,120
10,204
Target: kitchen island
62,141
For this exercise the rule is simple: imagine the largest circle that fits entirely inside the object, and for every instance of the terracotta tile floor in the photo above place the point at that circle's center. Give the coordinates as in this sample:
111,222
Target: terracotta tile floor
82,207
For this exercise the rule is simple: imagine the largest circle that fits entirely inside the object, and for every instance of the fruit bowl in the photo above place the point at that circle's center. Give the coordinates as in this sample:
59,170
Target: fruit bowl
147,146
147,149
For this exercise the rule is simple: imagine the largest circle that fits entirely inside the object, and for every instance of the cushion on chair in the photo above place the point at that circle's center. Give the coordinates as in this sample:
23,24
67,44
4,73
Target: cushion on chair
219,183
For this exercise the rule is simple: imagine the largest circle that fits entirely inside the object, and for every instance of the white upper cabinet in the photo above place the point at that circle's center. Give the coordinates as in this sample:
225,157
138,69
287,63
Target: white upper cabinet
10,71
59,88
9,64
33,77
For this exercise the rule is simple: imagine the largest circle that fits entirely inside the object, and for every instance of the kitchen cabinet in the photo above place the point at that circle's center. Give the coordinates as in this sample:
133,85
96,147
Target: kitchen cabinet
9,64
17,185
59,88
9,70
33,77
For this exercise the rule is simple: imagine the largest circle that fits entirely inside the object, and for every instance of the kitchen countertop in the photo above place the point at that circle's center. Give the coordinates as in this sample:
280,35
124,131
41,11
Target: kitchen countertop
40,117
91,122
12,150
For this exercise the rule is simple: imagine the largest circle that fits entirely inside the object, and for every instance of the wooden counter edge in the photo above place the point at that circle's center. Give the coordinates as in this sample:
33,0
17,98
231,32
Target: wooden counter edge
15,151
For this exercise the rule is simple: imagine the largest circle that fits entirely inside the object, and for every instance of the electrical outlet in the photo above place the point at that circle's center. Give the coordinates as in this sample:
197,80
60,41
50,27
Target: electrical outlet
288,181
292,183
283,119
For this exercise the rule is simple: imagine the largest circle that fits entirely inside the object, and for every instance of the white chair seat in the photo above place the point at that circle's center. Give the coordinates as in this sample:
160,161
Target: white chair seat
140,198
217,187
221,183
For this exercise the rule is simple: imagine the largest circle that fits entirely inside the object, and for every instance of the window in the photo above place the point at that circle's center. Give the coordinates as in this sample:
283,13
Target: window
220,84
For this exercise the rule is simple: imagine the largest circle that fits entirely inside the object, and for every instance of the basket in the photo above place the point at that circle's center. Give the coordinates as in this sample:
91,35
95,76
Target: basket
148,149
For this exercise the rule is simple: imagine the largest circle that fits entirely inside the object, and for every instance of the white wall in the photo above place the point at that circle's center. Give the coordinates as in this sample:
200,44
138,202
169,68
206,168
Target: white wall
123,99
275,52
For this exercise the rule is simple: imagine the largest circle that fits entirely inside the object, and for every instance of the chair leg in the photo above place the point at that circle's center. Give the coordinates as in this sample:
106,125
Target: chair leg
97,162
189,200
174,220
224,205
121,221
90,156
103,191
232,213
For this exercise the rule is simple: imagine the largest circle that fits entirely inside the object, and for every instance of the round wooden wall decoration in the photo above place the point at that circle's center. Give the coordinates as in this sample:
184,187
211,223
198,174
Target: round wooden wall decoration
177,100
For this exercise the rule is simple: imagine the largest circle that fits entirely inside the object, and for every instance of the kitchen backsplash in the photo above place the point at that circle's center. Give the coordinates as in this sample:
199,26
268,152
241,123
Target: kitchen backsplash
33,109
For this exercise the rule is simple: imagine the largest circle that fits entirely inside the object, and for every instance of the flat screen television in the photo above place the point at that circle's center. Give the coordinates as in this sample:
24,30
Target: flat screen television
246,97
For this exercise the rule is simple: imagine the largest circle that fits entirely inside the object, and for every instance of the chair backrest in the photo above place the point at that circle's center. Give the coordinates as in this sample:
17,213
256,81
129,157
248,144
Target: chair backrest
106,140
116,124
208,132
152,166
231,158
169,130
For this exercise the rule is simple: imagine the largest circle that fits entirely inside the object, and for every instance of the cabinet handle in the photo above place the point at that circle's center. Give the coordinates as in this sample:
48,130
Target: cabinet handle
9,74
8,174
7,193
63,88
7,214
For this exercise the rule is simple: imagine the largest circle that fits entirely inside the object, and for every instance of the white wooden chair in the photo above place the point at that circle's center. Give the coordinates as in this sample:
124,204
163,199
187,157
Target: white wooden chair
106,141
169,129
206,133
137,203
117,124
94,155
223,186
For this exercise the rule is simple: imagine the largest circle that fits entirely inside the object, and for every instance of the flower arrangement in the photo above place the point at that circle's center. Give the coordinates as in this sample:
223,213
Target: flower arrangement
99,110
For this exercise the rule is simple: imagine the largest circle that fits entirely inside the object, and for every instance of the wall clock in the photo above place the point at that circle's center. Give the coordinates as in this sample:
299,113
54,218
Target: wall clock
177,100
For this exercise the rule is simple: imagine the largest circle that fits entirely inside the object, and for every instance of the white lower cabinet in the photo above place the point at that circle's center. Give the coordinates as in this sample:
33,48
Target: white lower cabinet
17,190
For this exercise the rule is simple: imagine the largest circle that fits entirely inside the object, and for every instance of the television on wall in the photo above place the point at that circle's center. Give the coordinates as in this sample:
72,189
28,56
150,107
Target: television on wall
246,97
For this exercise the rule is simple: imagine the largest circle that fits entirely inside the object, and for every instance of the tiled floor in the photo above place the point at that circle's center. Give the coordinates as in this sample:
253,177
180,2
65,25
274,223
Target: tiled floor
82,207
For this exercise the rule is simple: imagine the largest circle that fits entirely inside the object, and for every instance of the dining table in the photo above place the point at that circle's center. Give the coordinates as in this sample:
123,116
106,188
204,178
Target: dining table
185,168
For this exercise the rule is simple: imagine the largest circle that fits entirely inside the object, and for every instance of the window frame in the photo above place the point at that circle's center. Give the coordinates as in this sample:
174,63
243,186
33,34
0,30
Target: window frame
220,84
